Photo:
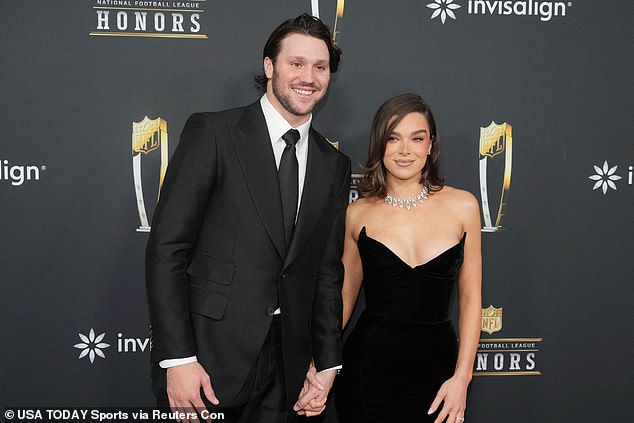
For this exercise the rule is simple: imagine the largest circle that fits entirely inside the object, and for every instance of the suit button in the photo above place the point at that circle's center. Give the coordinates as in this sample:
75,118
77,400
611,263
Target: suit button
270,311
284,275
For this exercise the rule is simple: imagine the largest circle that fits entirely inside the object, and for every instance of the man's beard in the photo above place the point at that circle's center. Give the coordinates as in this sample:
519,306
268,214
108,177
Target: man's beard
285,100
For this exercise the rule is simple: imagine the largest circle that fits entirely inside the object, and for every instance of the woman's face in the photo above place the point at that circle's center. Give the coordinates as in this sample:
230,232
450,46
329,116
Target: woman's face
407,147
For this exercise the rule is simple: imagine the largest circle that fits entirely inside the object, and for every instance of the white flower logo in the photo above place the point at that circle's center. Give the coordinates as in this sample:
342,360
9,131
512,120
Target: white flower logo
605,177
92,345
443,8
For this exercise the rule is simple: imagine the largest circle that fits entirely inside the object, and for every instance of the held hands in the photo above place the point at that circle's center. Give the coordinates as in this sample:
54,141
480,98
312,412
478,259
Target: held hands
313,396
183,388
454,394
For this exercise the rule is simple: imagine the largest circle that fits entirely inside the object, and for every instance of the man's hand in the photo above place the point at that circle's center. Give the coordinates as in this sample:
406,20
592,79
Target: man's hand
312,398
183,389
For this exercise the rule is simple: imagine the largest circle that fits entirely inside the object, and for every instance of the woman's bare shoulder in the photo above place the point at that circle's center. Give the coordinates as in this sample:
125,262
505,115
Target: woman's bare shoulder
455,194
459,200
359,209
363,204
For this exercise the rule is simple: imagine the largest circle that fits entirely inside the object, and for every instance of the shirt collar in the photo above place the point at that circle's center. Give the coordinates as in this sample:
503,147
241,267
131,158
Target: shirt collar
278,126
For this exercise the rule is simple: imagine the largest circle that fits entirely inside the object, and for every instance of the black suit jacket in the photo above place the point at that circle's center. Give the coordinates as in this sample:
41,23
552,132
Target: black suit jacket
216,259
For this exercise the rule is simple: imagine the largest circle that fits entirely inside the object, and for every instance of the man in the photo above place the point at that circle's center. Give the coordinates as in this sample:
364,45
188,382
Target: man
243,262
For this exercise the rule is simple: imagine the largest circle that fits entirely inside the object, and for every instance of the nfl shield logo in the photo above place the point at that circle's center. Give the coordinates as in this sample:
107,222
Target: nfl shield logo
491,319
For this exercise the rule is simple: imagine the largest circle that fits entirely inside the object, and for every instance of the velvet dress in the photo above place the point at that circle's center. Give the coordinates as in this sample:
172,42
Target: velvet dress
404,345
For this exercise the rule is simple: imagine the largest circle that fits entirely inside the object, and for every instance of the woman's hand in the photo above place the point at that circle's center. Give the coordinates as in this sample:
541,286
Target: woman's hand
454,394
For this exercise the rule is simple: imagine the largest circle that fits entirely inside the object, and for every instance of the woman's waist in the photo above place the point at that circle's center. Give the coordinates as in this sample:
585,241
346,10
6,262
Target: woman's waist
406,318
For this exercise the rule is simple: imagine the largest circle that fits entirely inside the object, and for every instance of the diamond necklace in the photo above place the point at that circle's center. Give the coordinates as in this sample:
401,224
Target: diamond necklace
408,202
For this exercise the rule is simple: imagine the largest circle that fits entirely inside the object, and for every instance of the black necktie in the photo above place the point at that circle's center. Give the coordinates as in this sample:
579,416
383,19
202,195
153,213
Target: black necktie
288,175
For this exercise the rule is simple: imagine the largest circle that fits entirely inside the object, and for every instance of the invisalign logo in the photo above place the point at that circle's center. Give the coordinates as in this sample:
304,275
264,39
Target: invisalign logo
545,10
18,174
605,177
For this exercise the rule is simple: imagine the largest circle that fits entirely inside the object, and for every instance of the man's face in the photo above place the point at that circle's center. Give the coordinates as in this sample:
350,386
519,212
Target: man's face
299,77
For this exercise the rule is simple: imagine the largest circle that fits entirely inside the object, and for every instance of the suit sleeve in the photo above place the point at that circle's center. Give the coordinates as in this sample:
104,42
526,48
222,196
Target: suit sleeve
183,200
328,304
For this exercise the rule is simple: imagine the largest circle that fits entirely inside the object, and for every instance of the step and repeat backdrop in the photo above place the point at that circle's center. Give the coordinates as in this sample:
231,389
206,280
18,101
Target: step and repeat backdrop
534,106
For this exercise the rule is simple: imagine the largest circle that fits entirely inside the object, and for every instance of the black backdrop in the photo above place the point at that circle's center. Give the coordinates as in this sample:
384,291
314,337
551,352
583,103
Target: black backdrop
74,78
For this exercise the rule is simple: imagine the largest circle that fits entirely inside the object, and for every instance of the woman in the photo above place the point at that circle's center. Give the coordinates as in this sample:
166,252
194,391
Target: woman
410,241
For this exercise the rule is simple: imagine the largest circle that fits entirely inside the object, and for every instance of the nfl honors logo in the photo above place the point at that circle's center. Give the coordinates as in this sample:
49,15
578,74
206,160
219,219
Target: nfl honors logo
504,356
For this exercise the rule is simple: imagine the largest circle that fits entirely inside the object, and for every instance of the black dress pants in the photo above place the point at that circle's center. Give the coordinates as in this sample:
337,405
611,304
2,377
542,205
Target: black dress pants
262,398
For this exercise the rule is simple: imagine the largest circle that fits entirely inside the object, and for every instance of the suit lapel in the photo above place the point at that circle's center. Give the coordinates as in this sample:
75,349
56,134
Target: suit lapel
253,147
320,168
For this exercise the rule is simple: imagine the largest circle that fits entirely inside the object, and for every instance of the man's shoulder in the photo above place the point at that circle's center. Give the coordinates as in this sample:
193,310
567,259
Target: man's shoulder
329,147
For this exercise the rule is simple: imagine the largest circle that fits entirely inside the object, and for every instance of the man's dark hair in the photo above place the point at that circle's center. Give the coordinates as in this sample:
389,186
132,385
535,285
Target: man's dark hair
303,24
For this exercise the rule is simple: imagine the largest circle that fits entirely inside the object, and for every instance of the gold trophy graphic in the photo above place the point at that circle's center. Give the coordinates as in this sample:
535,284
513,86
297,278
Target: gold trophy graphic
336,29
496,143
148,136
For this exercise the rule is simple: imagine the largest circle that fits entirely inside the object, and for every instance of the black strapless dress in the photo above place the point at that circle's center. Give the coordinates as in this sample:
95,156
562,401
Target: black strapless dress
404,345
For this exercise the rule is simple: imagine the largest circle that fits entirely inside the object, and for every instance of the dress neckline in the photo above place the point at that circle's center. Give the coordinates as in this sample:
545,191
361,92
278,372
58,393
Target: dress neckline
459,244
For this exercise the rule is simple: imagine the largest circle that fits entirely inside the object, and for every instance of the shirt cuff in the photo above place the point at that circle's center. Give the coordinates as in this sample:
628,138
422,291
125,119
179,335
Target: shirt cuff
337,368
166,364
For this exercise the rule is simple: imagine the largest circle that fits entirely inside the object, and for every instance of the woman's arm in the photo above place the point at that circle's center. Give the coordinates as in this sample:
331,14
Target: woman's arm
454,391
470,292
351,262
